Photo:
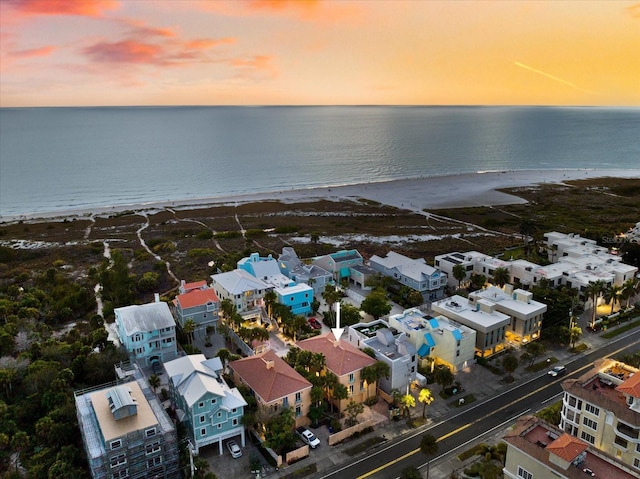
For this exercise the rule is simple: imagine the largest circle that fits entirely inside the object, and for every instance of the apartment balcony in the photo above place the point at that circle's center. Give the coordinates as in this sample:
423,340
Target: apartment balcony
628,433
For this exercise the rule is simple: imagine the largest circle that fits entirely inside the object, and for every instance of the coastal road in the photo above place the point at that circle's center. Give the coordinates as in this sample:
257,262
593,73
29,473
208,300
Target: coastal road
388,460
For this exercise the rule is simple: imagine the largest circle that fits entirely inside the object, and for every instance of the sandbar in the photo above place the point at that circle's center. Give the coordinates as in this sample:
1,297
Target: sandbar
417,194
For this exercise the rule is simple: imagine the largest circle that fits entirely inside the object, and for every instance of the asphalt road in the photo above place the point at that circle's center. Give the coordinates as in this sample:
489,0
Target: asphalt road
453,433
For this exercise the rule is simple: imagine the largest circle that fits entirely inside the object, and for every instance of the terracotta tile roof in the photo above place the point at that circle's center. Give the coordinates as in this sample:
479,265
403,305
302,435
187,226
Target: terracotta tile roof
196,297
269,376
631,386
341,357
567,447
196,285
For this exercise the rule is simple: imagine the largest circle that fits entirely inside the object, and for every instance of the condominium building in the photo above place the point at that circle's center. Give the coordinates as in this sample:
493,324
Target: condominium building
602,408
126,433
480,315
538,450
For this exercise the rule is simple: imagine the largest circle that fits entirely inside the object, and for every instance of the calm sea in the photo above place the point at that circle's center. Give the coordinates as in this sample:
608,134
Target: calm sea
57,159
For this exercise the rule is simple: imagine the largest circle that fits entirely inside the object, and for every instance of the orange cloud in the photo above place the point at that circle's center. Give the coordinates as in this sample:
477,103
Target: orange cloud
307,10
34,52
634,10
85,8
204,43
256,63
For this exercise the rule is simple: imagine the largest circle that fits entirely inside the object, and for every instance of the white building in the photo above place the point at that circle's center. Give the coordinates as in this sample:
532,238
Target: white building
391,347
525,313
481,315
439,338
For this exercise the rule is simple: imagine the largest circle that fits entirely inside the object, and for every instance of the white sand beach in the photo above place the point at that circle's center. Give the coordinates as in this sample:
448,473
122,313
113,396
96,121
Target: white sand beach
467,190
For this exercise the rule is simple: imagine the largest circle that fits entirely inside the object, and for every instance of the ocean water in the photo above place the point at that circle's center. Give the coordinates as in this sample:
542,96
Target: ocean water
59,159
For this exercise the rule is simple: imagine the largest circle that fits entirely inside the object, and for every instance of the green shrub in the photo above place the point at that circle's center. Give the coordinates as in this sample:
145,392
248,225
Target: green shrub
204,234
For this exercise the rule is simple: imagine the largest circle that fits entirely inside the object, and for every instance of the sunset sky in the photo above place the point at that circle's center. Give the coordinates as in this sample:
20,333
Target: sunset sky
278,52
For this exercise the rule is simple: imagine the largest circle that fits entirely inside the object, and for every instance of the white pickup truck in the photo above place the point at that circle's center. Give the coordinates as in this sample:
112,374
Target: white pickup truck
308,437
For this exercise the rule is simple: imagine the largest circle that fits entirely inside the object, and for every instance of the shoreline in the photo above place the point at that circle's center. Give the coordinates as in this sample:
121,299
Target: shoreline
418,194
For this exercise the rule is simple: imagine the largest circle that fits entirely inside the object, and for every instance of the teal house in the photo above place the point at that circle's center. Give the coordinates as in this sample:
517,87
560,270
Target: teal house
148,332
211,410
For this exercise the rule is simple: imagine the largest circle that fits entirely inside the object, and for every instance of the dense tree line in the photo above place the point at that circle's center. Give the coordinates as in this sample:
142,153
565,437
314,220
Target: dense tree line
40,368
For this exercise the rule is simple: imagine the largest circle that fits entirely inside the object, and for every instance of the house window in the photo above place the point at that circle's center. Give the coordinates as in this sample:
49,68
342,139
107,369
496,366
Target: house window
120,474
234,410
298,411
167,341
234,421
137,337
150,432
350,389
153,447
139,350
361,385
524,474
156,461
285,402
636,463
118,460
352,377
202,419
203,431
590,423
298,397
201,404
219,426
592,409
116,444
213,401
588,437
219,414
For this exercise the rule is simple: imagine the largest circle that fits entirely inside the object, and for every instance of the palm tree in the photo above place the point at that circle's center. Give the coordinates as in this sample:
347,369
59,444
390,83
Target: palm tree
501,276
612,295
426,398
459,273
510,364
574,334
630,288
593,292
407,401
428,447
154,382
527,228
188,328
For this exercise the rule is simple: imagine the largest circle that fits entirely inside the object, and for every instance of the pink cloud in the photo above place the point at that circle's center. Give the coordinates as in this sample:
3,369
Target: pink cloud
85,8
140,29
125,51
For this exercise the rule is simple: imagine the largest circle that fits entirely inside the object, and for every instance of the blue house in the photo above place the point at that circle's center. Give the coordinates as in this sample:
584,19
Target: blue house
297,297
414,273
148,332
211,410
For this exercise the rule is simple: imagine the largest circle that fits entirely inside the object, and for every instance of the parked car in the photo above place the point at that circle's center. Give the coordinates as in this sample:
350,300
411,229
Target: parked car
234,449
308,437
557,371
314,323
